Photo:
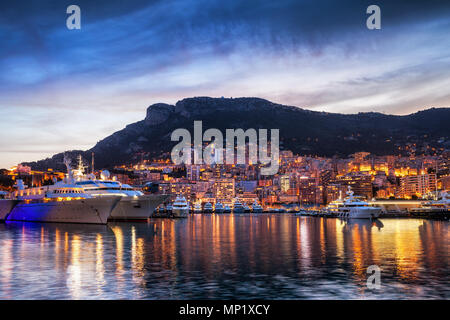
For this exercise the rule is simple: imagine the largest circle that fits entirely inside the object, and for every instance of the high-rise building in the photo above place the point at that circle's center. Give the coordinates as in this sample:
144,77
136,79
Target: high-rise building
193,172
284,183
224,189
417,185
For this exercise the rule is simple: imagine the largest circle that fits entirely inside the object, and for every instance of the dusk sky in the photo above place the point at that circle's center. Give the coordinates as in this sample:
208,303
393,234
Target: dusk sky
64,89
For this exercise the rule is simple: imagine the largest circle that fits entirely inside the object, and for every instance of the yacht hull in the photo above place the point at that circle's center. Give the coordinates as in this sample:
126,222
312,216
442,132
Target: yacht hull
362,213
140,208
92,211
5,207
180,212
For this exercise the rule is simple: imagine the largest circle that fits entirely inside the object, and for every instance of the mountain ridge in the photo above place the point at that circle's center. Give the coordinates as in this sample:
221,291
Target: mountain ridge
301,130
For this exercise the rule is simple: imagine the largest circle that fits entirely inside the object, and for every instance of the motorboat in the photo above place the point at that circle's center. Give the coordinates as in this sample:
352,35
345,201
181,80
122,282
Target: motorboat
197,208
434,209
208,208
227,209
238,207
219,208
353,207
180,207
256,208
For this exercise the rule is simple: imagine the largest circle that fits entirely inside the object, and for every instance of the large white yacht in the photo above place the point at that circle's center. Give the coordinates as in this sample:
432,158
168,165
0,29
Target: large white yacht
133,205
61,202
352,207
180,207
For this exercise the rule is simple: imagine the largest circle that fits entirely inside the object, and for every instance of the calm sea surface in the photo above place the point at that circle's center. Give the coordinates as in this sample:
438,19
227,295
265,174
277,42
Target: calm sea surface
269,256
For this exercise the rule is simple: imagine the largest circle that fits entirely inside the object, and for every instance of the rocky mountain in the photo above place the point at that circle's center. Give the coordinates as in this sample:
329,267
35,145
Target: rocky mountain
302,131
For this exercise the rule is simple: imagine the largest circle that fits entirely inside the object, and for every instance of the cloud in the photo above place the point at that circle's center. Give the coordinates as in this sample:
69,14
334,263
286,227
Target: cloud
68,89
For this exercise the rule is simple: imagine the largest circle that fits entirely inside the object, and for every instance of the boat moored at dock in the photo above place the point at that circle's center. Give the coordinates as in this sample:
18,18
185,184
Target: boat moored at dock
208,208
438,209
133,205
219,208
352,207
256,208
61,202
197,208
180,207
238,207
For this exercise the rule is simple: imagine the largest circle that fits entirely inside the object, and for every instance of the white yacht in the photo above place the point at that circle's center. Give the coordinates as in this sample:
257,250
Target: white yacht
227,209
180,207
238,207
256,208
208,208
218,208
197,208
61,202
133,205
353,207
434,208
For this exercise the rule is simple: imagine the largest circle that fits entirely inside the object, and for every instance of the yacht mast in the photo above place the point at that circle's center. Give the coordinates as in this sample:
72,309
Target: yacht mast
92,164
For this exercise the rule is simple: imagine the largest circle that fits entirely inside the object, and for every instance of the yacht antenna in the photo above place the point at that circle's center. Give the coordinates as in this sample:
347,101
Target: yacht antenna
92,165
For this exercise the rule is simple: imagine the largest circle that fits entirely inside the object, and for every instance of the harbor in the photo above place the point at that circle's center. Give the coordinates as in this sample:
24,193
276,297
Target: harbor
234,256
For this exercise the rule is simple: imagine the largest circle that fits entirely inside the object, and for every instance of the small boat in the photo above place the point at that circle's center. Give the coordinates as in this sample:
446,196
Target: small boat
256,208
180,207
197,208
247,209
219,208
162,209
208,208
238,207
227,209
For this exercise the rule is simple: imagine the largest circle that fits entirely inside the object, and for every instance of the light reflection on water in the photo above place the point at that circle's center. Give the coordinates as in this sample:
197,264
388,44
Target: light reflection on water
225,256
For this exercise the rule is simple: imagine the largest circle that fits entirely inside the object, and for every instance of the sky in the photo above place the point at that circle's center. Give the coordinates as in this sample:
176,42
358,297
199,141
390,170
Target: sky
64,89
